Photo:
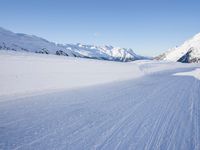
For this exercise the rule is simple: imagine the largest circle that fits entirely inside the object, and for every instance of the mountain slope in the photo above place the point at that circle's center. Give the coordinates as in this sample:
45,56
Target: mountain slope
31,43
188,52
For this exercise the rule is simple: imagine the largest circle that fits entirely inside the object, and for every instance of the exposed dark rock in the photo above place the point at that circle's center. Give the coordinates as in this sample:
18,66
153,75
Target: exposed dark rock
60,52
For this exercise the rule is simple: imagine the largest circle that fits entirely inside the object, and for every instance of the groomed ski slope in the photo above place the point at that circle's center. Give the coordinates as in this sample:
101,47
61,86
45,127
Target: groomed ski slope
157,108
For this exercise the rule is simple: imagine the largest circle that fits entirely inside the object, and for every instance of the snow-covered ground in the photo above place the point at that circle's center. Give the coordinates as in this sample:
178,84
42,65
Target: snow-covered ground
27,72
50,102
194,73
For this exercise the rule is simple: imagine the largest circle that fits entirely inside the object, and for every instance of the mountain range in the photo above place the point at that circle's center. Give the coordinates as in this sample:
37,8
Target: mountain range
31,43
188,52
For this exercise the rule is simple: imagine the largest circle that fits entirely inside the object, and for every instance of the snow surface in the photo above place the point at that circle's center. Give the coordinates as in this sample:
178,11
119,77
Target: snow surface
136,105
22,73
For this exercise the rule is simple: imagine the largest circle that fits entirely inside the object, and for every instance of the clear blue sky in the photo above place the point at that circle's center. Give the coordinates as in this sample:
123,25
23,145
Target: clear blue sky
147,26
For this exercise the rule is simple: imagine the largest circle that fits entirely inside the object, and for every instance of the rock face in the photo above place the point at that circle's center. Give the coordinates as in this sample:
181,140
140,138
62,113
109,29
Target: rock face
31,43
60,52
188,52
189,57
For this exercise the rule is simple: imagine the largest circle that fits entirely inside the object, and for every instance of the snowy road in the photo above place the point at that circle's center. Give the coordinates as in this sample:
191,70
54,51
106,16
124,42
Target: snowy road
156,111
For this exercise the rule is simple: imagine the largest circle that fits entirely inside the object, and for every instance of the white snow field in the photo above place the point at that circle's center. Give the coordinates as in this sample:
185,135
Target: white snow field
27,73
195,73
50,102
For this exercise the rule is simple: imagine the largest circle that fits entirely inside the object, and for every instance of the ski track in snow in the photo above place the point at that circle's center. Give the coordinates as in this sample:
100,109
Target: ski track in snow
155,111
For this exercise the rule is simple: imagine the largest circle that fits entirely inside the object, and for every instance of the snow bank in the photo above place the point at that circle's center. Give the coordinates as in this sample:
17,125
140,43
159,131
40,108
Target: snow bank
194,73
26,73
154,66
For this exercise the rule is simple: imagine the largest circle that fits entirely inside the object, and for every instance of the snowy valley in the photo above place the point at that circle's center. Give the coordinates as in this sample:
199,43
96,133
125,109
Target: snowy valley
100,75
70,102
51,102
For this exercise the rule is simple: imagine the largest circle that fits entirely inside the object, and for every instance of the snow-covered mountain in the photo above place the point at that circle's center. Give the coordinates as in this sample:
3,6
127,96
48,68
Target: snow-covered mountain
188,52
31,43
